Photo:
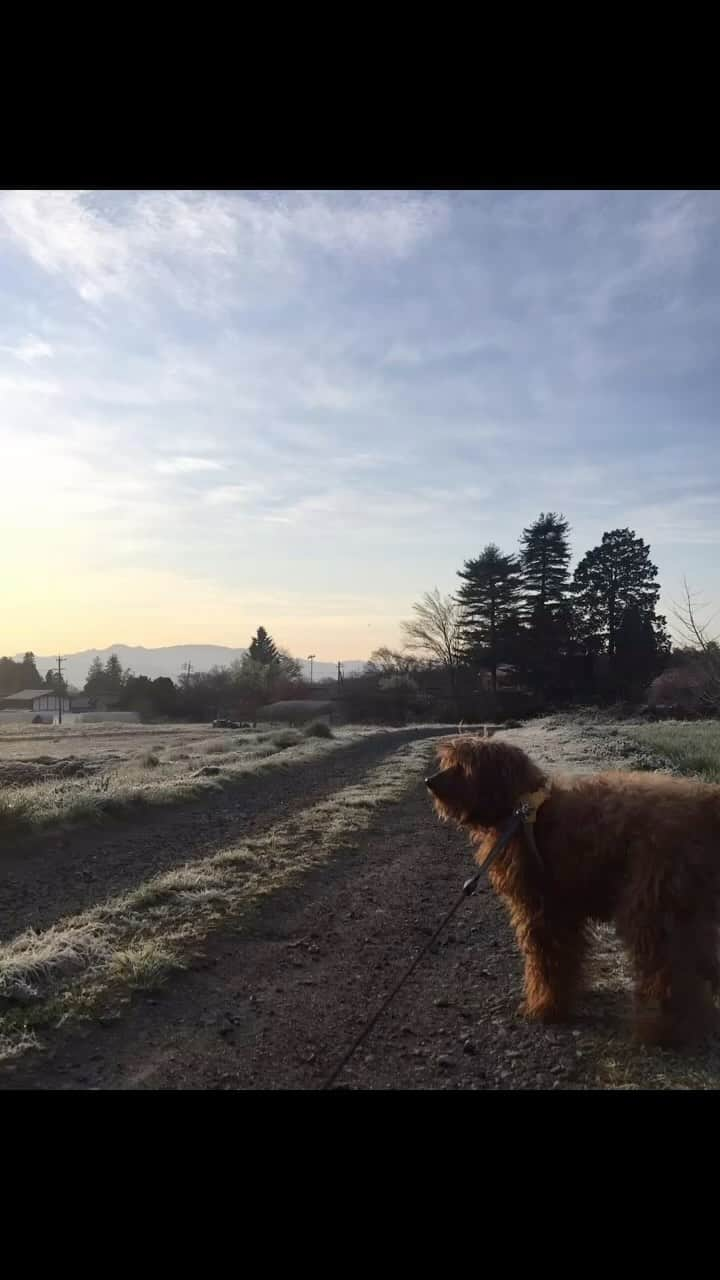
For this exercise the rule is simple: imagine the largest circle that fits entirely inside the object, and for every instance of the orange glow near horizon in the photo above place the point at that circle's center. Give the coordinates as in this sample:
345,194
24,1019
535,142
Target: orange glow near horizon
79,611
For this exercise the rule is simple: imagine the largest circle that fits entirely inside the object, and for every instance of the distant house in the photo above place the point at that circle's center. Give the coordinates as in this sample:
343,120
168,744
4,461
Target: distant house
507,677
45,702
81,702
40,700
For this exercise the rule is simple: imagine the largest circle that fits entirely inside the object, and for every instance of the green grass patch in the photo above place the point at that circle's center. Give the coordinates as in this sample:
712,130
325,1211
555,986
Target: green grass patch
691,747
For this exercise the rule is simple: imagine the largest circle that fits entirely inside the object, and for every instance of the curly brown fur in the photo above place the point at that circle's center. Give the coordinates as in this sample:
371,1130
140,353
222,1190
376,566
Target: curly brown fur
637,849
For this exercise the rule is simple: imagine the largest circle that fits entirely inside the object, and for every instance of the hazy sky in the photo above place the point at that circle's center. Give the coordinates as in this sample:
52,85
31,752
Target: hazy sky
220,409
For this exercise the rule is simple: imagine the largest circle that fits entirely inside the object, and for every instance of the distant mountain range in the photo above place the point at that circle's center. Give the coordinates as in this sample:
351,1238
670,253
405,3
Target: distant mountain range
170,661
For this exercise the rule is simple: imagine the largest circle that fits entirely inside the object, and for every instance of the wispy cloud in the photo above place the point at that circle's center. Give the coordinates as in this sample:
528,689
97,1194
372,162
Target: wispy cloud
229,494
186,465
106,246
282,392
29,349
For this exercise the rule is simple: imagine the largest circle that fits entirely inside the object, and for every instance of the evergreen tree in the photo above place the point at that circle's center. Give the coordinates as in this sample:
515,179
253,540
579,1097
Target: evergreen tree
488,599
29,673
114,676
165,696
10,677
636,654
54,682
611,578
262,648
544,560
95,679
15,676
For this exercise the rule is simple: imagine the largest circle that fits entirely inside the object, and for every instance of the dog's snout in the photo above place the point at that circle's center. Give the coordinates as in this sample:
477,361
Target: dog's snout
431,782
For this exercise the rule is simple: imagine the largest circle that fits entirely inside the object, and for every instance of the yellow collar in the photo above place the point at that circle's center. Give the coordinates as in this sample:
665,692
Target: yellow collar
533,799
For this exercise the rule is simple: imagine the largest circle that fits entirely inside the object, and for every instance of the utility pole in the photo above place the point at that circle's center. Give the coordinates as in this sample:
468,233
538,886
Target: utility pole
311,659
60,688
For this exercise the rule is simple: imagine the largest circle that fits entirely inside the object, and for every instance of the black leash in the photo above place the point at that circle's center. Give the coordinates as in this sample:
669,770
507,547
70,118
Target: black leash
518,819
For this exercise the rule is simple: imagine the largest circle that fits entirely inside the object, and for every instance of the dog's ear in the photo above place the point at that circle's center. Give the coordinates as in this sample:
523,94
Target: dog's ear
499,774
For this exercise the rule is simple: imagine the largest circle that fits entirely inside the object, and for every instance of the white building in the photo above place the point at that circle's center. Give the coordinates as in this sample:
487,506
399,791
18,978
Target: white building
36,700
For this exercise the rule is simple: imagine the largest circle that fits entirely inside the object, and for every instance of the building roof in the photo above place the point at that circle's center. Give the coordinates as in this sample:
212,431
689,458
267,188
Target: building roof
26,695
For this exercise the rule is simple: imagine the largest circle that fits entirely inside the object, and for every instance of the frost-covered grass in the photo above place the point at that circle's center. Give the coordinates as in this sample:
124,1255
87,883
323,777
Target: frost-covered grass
691,747
131,770
137,938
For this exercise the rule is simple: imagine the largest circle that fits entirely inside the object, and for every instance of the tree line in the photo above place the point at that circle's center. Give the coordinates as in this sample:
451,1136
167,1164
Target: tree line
595,633
15,676
517,617
265,673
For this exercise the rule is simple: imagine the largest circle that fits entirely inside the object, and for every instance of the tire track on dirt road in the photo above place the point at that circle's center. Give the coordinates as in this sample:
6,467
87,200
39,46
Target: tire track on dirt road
89,962
64,873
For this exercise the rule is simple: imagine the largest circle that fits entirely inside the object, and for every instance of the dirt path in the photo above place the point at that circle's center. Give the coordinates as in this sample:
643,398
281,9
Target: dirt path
62,873
276,999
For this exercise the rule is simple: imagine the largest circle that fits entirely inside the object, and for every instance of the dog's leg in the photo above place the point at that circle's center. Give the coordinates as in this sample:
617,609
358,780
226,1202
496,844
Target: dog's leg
675,972
554,954
707,943
673,1008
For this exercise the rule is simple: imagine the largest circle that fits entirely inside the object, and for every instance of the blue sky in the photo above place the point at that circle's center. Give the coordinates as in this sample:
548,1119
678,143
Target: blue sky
305,409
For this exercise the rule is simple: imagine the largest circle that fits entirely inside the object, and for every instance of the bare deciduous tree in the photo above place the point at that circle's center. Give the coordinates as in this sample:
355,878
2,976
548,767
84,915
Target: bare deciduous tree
696,635
435,630
388,662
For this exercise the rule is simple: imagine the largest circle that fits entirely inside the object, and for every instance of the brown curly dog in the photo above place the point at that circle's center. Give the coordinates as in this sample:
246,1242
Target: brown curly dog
640,850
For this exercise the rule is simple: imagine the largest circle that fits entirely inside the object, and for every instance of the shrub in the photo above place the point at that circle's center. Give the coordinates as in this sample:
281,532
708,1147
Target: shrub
318,729
685,686
286,738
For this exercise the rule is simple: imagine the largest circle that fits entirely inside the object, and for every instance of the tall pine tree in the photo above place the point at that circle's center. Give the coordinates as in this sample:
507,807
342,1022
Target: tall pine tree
616,576
544,560
95,679
544,574
262,648
489,602
29,673
114,676
636,654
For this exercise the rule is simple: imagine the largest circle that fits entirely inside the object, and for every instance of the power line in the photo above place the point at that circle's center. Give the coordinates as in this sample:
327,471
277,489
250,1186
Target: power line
60,661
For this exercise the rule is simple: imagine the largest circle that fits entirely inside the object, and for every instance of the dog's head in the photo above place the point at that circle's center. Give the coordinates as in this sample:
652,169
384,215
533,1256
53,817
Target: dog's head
481,780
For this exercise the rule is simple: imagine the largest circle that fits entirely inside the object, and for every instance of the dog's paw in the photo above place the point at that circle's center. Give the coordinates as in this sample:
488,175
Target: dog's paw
547,1012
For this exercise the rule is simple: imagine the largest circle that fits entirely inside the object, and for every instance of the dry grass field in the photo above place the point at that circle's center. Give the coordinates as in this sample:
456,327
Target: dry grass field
242,940
52,776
